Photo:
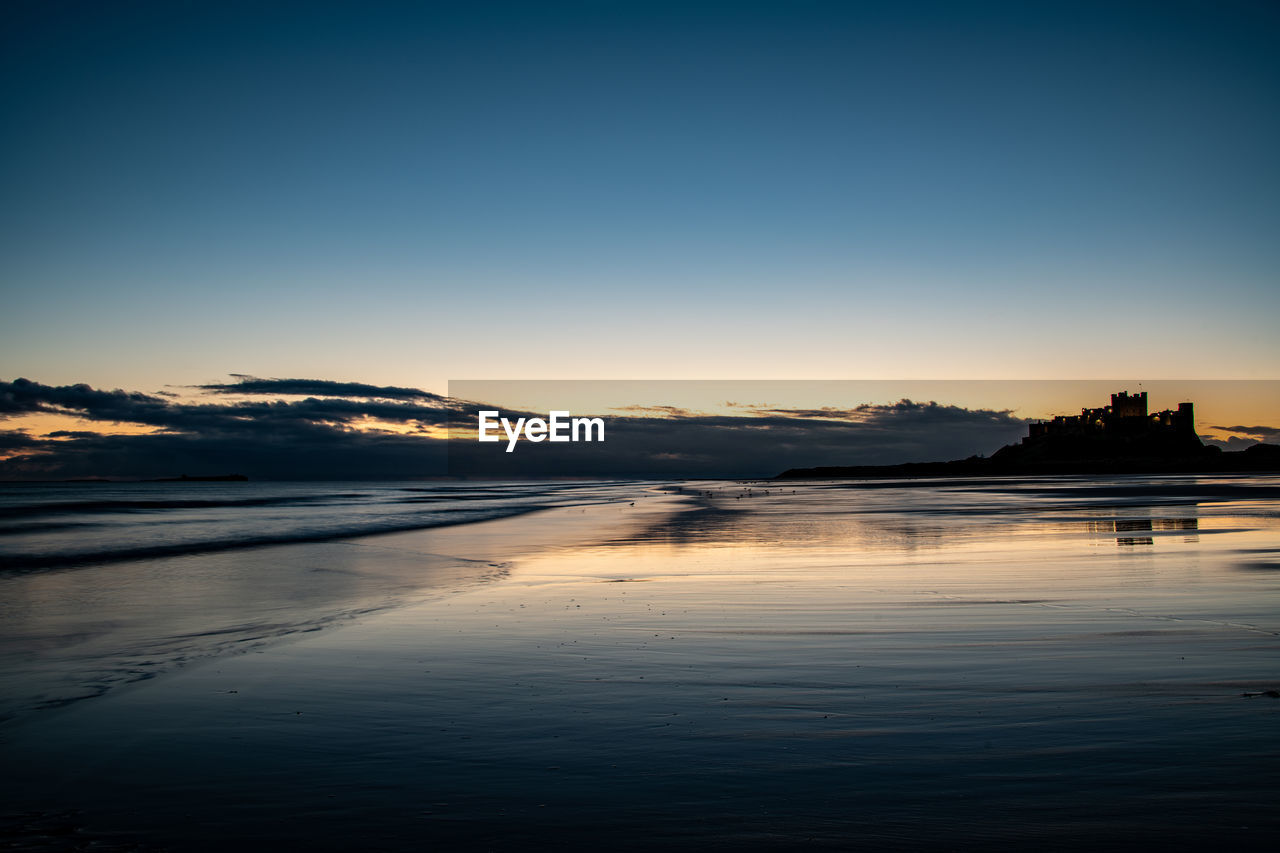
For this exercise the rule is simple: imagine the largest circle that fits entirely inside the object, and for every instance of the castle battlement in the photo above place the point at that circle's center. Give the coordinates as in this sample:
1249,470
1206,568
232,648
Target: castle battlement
1126,416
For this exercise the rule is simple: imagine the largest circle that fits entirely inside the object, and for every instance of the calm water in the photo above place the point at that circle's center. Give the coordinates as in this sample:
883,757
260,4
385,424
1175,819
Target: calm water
104,584
60,525
1058,663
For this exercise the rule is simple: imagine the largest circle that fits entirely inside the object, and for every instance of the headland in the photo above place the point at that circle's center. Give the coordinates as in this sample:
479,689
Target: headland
1121,438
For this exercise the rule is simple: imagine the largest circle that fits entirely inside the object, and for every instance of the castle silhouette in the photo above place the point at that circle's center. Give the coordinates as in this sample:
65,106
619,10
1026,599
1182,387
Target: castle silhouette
1127,415
1122,438
1121,431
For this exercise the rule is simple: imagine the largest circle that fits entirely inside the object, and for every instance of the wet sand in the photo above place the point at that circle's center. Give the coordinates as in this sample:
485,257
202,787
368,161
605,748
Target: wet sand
890,668
68,635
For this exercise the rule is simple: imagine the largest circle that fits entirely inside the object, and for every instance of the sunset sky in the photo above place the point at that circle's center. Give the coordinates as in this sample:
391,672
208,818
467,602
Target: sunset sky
404,194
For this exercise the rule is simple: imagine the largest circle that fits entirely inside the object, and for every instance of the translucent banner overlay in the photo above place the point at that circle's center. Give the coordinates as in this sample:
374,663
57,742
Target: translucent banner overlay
515,429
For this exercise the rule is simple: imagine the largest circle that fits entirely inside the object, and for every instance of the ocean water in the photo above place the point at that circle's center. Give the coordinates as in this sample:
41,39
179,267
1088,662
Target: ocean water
1057,663
61,525
103,584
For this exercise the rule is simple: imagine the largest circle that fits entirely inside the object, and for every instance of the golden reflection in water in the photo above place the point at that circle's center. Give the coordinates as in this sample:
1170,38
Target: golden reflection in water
1129,525
814,558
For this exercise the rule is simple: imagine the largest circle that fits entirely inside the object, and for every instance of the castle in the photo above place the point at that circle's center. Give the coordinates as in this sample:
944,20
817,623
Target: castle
1126,416
1118,439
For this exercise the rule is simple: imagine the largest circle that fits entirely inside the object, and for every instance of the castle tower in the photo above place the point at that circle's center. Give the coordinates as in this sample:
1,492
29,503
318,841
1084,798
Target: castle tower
1184,419
1125,405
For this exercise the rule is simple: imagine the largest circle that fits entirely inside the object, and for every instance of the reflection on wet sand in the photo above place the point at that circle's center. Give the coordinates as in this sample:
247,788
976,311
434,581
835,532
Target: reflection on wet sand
74,634
894,516
836,667
1126,527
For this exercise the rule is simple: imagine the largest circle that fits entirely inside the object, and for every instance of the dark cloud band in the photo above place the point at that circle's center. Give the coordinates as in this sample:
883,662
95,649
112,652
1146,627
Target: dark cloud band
328,435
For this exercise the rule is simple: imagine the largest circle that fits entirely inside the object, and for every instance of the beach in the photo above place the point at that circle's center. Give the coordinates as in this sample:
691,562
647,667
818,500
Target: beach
877,665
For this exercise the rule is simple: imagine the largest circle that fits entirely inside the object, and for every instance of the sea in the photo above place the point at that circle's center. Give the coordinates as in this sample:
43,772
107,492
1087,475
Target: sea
1055,663
108,583
65,525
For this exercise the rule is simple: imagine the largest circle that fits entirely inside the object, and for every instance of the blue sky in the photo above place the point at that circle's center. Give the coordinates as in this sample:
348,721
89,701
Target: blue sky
412,193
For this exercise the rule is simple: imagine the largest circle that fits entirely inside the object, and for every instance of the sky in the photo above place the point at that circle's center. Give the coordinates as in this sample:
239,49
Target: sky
306,429
404,194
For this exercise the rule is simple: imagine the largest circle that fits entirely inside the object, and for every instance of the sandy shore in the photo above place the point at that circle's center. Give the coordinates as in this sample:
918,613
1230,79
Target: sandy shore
884,671
68,635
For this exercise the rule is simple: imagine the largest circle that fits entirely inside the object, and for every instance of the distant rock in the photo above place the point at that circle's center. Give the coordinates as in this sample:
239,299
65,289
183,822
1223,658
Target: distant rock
219,478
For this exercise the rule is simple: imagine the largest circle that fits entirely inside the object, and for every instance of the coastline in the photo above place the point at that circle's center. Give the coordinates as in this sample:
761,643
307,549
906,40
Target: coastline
812,666
76,633
1264,460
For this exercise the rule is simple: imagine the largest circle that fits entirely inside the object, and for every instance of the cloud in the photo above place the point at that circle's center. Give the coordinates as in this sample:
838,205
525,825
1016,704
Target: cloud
329,436
321,454
668,411
17,440
313,438
763,443
1231,443
1261,433
23,396
316,387
1246,436
902,411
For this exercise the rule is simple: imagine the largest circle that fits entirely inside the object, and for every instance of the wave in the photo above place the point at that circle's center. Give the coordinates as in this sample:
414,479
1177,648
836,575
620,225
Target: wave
43,527
78,507
22,563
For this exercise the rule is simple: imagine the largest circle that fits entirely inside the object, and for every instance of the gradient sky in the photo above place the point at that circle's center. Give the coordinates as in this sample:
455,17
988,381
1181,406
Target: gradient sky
407,193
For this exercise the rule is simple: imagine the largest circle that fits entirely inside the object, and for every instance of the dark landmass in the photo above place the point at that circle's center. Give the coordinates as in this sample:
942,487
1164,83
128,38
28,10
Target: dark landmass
1118,439
1261,458
222,478
185,478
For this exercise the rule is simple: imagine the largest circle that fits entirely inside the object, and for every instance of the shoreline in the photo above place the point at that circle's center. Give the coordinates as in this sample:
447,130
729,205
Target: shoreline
170,612
20,563
880,668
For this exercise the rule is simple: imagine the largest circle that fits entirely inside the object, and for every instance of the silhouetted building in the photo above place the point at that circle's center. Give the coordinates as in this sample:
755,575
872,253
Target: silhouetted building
1118,439
1126,417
